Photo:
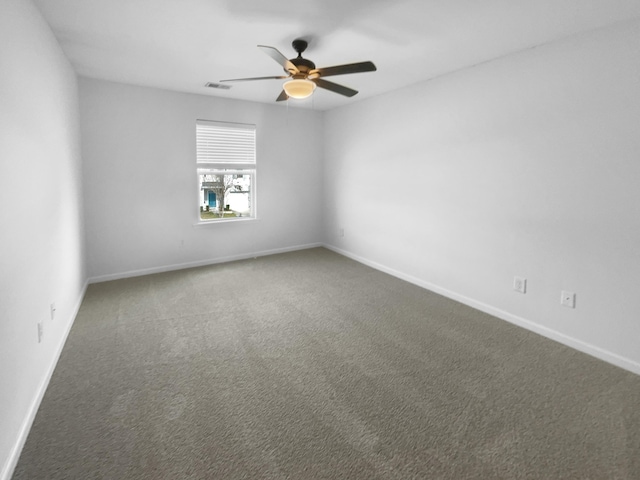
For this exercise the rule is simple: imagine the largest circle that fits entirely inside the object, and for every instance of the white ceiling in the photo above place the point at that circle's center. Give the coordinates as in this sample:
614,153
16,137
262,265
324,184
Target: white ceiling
182,44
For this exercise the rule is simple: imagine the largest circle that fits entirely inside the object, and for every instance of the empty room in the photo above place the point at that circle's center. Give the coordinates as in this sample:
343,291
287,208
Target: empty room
319,239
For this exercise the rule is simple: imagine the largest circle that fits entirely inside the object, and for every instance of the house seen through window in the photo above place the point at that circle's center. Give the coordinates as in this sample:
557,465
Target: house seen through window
226,165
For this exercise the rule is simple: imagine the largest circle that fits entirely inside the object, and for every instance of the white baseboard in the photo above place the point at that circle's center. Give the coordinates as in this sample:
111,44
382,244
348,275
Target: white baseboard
14,456
559,337
199,263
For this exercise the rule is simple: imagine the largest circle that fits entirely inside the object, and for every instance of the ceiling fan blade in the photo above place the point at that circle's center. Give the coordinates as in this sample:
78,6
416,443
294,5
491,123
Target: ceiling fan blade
344,69
255,78
334,87
283,96
280,58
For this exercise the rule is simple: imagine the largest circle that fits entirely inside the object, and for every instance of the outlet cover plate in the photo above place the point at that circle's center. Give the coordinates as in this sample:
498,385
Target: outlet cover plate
520,284
568,299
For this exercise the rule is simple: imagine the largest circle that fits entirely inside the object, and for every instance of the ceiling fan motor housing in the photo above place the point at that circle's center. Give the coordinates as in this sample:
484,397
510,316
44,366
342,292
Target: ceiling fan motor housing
304,66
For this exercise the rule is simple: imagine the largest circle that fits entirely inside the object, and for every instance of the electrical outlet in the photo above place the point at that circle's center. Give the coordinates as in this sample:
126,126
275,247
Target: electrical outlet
53,310
520,284
341,232
40,332
568,299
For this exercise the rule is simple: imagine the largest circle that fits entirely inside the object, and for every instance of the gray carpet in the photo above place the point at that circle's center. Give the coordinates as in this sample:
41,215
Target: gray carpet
308,365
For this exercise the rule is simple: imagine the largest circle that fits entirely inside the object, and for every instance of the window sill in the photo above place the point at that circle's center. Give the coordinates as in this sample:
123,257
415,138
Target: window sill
206,223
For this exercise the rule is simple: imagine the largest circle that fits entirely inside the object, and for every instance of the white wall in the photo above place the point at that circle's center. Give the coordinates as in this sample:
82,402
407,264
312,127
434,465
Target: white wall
41,240
141,194
528,165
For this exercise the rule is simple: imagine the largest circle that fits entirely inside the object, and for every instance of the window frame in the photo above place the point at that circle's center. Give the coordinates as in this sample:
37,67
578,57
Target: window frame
242,162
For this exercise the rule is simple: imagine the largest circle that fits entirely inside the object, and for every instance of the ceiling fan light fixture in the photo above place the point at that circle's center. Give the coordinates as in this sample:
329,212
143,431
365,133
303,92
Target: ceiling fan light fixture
299,88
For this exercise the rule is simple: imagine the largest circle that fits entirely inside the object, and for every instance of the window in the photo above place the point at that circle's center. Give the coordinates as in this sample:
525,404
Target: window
226,165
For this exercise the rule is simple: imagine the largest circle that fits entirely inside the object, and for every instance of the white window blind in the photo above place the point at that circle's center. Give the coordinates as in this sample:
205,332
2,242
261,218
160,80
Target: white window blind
219,142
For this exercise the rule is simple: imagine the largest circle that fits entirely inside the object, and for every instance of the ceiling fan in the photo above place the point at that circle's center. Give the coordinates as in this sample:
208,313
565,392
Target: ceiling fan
304,76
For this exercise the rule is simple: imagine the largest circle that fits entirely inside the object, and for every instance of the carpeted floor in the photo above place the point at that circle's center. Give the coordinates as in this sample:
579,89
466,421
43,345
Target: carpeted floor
308,365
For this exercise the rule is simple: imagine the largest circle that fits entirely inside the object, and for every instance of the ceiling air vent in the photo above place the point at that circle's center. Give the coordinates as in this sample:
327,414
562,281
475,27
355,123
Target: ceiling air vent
217,85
